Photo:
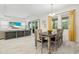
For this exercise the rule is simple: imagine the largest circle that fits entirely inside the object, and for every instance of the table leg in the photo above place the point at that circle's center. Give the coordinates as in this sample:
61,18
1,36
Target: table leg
49,45
41,45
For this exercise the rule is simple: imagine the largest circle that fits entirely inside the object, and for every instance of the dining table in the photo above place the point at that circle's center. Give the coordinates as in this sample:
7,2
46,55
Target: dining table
48,36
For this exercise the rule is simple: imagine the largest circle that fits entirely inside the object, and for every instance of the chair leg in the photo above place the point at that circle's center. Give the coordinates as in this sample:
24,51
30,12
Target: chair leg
41,46
55,47
59,43
36,44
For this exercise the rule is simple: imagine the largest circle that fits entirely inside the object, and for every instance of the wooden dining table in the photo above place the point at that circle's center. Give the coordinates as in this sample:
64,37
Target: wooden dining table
48,36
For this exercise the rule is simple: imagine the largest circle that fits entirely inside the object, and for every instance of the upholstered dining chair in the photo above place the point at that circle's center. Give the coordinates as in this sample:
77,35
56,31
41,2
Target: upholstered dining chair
60,31
39,39
37,36
57,40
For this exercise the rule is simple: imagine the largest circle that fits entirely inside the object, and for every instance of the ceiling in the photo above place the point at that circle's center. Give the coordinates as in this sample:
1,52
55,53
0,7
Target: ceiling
28,10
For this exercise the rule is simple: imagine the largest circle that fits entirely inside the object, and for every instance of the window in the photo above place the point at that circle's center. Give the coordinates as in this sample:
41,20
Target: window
55,23
65,22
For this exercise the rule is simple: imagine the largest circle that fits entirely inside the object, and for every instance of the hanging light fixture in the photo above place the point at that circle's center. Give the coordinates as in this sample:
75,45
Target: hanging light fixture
50,19
51,10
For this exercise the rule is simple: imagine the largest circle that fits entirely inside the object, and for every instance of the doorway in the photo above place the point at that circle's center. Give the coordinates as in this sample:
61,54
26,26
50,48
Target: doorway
32,26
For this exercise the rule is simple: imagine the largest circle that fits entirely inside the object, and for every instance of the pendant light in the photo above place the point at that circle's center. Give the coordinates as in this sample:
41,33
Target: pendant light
50,19
51,13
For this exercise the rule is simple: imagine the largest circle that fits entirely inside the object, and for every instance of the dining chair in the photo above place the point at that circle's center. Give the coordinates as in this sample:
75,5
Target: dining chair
39,39
60,37
37,36
57,40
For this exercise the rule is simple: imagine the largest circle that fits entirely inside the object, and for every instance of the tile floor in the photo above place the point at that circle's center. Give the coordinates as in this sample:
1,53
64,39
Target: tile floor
25,45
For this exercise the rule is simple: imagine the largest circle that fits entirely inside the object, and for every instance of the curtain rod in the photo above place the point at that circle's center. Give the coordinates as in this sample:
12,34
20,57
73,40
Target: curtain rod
64,12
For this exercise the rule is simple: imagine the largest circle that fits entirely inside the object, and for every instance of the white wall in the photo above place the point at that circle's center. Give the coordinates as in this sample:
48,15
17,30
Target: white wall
4,23
43,23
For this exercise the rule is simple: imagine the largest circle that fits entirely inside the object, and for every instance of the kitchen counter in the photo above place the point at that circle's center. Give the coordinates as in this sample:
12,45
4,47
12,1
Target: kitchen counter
9,34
